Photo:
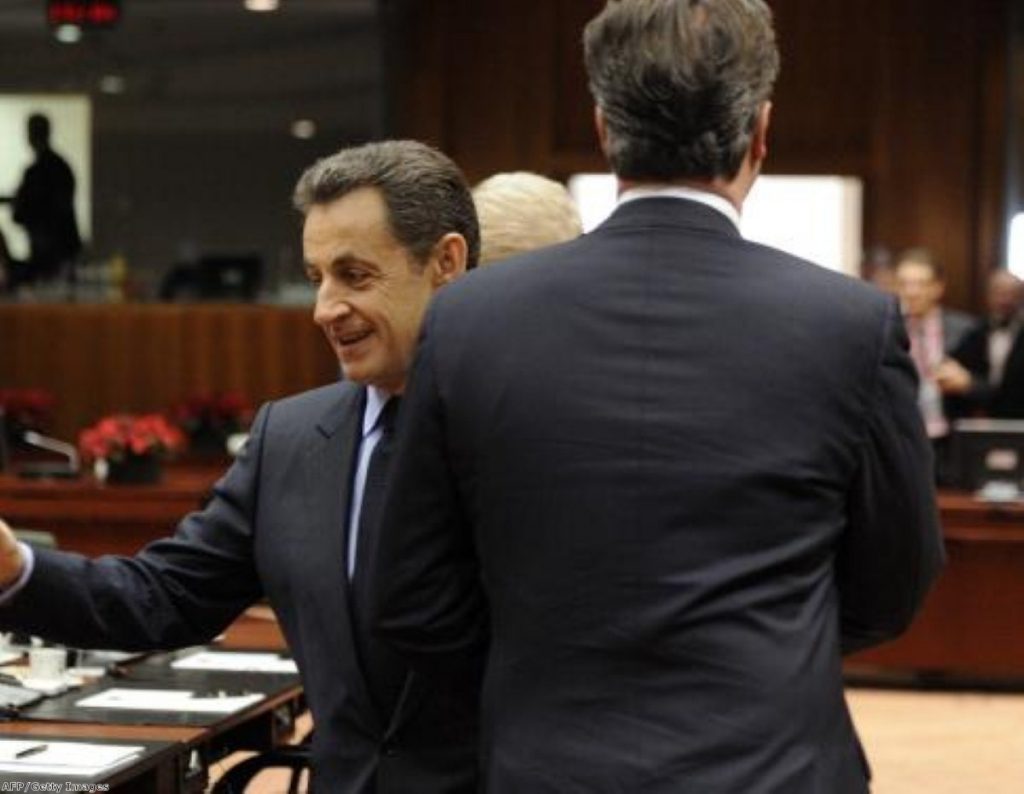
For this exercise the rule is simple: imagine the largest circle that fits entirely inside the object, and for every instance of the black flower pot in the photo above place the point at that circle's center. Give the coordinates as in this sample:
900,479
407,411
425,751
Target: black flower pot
134,470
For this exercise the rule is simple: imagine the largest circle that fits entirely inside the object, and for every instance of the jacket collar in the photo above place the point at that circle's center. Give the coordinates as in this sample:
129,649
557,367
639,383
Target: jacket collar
669,211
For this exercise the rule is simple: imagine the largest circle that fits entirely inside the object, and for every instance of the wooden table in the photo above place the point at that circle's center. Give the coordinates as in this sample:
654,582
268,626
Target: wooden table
972,623
92,518
257,728
152,771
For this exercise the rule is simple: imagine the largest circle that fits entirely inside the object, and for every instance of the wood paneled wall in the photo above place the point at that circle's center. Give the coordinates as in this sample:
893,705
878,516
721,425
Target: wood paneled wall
909,95
140,358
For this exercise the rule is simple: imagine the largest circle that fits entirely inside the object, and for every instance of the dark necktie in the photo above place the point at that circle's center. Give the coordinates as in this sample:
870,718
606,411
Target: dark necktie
373,489
384,671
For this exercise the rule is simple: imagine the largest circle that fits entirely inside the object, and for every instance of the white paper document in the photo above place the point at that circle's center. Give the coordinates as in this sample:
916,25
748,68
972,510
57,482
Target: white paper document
6,656
75,759
176,700
236,662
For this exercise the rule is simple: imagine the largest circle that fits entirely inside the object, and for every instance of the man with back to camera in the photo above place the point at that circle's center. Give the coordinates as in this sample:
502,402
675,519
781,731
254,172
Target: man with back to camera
386,224
670,475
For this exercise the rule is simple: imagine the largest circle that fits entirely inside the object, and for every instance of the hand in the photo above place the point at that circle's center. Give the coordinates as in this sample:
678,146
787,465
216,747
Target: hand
952,378
11,561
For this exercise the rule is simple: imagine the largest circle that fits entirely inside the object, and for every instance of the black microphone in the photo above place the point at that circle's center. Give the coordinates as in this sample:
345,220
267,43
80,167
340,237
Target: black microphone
5,455
65,469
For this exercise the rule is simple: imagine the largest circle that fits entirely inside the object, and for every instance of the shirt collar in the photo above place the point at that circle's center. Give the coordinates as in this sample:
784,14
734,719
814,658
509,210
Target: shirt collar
376,399
712,200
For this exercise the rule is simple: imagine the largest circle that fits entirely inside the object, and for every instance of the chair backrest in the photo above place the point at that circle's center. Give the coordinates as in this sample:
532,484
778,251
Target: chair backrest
37,537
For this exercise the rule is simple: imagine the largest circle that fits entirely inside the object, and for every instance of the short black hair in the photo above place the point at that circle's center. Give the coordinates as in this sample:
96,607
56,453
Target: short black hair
425,192
680,83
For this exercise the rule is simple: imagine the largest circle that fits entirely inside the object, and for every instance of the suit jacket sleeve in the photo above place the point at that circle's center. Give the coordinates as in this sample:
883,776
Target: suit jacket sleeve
177,591
891,550
426,599
972,354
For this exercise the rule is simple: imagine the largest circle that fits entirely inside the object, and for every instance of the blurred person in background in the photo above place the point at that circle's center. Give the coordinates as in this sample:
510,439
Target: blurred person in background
992,353
521,211
44,206
935,331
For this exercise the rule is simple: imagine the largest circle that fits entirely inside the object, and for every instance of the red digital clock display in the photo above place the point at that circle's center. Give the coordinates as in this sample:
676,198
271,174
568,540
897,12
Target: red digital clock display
84,13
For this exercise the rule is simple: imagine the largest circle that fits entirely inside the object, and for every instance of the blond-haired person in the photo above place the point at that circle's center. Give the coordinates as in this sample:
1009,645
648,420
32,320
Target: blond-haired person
521,211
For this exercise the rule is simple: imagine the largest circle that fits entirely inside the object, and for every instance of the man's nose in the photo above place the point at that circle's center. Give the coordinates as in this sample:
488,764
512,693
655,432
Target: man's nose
330,306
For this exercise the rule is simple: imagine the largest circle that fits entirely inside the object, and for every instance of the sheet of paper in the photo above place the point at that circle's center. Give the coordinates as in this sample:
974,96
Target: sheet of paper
8,656
62,758
174,700
236,662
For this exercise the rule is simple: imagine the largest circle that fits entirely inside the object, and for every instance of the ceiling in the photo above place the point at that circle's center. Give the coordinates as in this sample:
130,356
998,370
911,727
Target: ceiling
201,65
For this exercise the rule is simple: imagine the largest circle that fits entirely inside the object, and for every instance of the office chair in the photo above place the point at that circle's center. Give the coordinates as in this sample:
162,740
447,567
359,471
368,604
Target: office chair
288,756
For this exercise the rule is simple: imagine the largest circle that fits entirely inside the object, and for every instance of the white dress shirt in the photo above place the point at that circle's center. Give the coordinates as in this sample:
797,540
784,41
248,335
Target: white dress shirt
713,200
375,402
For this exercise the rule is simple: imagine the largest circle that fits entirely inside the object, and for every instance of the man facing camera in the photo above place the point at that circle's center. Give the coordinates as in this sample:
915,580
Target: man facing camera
386,225
669,475
935,332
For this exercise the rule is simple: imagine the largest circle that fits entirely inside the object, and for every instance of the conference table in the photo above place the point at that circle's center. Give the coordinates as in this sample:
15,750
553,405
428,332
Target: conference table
971,628
176,756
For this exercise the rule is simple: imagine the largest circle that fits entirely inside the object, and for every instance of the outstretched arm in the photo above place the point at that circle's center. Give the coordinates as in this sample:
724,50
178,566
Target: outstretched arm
177,591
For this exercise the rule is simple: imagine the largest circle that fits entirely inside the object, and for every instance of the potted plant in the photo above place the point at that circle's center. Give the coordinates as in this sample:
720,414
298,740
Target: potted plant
209,419
25,409
126,448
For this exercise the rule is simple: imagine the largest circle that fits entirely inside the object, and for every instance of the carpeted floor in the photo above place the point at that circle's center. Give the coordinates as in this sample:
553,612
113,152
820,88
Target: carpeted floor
941,742
918,742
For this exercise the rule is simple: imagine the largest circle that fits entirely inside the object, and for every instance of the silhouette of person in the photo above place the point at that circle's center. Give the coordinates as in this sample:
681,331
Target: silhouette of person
44,206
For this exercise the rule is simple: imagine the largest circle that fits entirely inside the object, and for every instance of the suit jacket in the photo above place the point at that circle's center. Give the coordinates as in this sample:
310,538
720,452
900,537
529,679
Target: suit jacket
955,326
1004,400
274,528
675,473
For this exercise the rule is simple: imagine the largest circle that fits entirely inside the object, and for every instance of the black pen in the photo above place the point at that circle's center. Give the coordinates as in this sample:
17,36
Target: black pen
39,748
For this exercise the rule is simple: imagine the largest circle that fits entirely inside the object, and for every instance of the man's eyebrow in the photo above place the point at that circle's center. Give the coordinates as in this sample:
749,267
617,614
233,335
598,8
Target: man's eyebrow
343,259
349,258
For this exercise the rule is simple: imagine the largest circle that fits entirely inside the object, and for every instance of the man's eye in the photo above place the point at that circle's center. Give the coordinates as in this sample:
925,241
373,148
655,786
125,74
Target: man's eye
357,277
313,276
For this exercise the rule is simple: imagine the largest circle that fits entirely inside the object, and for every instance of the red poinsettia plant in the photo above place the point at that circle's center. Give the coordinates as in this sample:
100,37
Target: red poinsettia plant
27,409
122,435
220,413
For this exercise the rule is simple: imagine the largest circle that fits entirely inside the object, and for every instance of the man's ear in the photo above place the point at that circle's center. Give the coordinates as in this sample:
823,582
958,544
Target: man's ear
601,125
449,260
759,140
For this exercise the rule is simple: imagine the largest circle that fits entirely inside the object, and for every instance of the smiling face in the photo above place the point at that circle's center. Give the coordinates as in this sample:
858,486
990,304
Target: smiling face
371,293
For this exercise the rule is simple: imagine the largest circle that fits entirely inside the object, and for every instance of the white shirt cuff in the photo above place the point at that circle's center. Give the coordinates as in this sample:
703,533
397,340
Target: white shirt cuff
29,558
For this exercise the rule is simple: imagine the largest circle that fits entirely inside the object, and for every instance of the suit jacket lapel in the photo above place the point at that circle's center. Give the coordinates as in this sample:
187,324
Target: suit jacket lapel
329,467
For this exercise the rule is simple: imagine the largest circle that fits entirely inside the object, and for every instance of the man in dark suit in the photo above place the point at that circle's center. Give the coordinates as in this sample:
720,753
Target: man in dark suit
667,474
386,224
992,353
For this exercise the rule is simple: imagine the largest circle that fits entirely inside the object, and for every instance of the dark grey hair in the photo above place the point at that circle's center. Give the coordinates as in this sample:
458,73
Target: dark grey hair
425,192
680,83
